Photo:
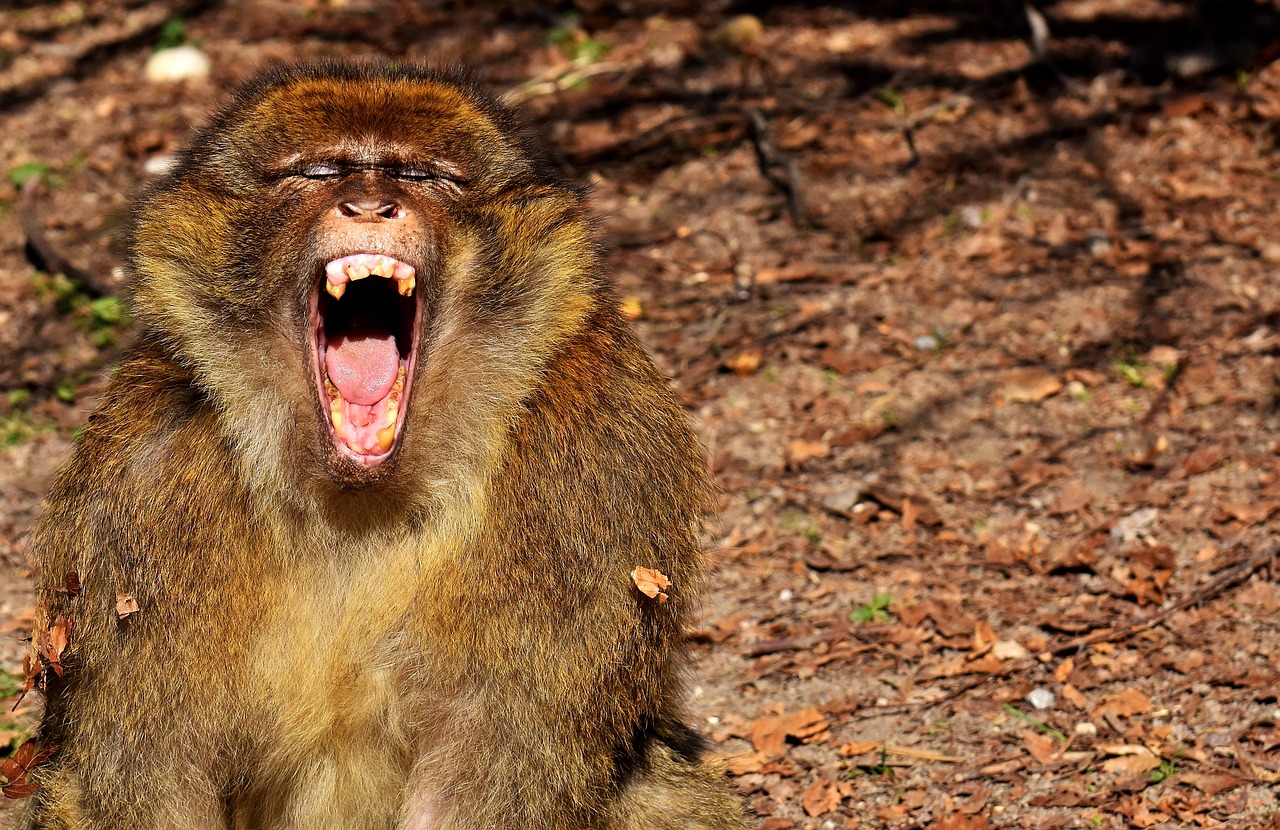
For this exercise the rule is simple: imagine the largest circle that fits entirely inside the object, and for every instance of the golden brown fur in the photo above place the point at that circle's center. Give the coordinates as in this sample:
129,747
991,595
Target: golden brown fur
449,640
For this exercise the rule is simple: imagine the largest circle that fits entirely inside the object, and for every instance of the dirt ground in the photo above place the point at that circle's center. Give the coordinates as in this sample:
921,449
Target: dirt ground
978,319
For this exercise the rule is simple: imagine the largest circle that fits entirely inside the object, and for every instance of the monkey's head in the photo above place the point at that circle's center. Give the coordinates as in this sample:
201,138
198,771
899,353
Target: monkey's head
366,267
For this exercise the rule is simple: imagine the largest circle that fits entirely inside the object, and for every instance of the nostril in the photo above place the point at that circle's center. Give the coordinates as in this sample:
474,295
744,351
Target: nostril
370,209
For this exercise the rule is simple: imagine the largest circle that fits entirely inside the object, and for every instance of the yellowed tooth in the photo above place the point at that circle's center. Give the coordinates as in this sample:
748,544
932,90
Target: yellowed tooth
335,291
336,416
357,272
398,386
386,436
406,286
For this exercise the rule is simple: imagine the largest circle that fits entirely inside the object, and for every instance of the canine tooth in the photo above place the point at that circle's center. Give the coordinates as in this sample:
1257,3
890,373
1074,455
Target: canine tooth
335,273
386,436
335,291
335,415
405,286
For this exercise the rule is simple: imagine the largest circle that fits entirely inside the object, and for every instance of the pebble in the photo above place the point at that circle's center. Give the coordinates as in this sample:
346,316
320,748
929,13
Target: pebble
180,63
1040,698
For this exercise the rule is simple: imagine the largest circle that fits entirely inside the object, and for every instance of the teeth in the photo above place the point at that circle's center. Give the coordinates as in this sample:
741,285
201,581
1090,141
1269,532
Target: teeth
359,266
386,436
398,386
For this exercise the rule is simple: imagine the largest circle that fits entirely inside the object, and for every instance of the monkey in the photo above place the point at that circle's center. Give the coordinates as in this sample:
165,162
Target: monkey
354,526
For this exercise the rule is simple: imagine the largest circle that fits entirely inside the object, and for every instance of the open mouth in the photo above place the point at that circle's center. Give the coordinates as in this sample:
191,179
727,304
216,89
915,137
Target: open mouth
365,329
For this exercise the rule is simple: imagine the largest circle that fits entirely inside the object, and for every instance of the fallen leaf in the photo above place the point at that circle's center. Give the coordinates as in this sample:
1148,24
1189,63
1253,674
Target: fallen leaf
1123,704
745,362
1029,385
650,582
861,748
51,642
1200,460
820,797
1042,747
769,735
1210,783
959,821
631,308
126,605
71,586
800,450
18,766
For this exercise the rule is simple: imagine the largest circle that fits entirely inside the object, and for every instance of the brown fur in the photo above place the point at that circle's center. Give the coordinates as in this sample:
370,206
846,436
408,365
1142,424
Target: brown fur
450,640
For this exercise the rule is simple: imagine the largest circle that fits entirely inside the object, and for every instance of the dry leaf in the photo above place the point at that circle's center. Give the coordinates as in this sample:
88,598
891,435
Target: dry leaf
800,450
126,605
820,797
1042,747
650,582
52,642
72,585
861,748
745,362
769,735
1029,385
631,308
1123,704
17,767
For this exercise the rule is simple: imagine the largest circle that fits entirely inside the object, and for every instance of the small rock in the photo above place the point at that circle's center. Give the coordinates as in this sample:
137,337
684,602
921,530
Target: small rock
1040,698
1270,254
926,342
1134,525
159,165
1086,729
1008,650
180,63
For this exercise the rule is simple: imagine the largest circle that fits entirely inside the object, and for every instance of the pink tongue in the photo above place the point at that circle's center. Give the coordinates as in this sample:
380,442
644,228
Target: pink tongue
363,367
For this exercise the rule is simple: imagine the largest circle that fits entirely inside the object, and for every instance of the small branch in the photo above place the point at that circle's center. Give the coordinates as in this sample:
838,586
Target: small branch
775,166
45,256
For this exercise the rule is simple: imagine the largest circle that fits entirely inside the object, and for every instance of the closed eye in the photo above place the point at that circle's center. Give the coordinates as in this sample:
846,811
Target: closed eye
320,172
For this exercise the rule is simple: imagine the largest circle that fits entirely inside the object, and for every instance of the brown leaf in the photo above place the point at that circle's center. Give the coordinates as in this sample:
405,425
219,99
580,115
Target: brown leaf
959,821
1123,704
745,362
1200,460
126,605
860,748
820,797
51,642
71,586
1029,385
650,582
1210,783
17,767
800,450
769,735
1042,747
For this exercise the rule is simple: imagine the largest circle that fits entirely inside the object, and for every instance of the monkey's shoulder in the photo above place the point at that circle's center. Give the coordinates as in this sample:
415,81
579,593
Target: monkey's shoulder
155,431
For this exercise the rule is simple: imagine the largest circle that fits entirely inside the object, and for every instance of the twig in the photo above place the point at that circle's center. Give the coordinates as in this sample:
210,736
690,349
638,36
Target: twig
1229,579
775,166
45,256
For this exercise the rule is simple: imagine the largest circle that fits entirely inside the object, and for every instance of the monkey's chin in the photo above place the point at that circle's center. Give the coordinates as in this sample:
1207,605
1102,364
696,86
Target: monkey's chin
365,331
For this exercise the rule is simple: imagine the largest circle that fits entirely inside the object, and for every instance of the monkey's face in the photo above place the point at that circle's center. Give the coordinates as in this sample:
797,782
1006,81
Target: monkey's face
364,237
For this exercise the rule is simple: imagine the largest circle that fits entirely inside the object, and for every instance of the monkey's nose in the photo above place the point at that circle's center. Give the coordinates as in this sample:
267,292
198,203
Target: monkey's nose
370,210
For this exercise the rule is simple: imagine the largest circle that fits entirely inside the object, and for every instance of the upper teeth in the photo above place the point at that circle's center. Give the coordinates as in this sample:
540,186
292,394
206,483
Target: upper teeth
358,266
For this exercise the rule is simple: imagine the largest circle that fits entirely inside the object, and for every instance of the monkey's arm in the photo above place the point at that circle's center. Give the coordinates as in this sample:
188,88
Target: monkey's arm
130,514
